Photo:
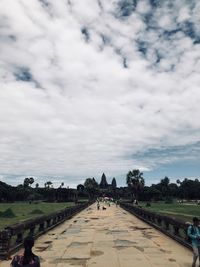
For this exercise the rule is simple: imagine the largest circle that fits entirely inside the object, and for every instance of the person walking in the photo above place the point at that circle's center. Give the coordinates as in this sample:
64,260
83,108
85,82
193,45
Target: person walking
193,233
28,258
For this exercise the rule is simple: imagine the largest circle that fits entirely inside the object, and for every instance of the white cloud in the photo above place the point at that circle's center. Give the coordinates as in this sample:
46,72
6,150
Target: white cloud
92,100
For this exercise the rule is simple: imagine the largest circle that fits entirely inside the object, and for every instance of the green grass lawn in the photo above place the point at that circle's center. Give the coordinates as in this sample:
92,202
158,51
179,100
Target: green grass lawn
24,211
184,211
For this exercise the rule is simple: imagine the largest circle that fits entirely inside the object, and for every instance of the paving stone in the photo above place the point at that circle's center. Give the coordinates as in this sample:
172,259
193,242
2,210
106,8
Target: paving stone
108,238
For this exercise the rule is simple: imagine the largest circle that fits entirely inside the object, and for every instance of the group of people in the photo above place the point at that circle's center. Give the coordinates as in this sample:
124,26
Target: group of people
105,202
29,259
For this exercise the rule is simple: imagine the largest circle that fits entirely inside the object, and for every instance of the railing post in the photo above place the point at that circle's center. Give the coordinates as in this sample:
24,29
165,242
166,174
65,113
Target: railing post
19,238
159,221
41,227
32,229
5,238
176,230
48,223
166,225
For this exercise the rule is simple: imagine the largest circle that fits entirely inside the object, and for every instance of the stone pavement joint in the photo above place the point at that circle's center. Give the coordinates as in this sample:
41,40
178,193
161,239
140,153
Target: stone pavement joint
108,238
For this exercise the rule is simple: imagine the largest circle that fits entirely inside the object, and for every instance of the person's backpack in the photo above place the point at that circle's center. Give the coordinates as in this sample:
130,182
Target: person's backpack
188,238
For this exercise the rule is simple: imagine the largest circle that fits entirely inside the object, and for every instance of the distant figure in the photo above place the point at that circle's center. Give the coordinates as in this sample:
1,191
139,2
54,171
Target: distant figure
27,259
98,206
103,208
193,233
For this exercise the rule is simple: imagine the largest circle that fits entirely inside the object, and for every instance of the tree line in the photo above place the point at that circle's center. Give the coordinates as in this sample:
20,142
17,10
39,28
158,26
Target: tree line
26,191
135,189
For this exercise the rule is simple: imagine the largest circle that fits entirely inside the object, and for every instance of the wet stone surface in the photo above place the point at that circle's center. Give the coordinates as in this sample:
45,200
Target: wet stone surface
124,243
108,238
79,244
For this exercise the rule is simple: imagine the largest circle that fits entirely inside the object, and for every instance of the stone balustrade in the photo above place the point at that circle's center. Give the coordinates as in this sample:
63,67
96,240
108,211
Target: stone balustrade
11,238
172,227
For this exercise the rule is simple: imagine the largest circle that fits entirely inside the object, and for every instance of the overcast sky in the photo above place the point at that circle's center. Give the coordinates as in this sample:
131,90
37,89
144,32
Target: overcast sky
97,86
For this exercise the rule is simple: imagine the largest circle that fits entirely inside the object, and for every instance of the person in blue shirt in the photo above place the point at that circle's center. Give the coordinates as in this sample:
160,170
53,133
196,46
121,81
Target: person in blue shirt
194,234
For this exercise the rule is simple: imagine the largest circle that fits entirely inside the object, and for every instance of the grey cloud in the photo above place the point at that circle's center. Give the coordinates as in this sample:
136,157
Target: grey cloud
114,85
23,74
126,7
85,33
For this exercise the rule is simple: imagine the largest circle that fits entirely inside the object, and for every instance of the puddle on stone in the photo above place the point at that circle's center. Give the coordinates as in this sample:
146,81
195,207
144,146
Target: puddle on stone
166,251
51,234
40,249
94,253
94,218
117,232
73,230
78,244
72,261
48,242
172,260
120,247
149,236
140,228
124,243
139,248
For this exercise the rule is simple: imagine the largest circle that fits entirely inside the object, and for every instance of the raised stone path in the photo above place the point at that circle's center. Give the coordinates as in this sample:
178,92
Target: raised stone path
108,238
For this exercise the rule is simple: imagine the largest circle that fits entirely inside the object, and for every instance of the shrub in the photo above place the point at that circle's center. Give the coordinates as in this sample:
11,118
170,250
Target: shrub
7,214
169,200
36,211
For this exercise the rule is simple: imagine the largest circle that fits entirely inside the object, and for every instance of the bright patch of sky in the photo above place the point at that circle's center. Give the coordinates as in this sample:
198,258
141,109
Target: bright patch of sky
97,86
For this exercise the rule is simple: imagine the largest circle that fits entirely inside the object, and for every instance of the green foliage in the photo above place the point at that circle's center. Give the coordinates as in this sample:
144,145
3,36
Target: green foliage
23,210
180,211
148,204
8,213
135,182
36,211
91,187
169,200
28,181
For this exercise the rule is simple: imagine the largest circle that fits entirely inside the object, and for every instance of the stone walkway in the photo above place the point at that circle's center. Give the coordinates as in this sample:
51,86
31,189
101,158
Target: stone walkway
108,238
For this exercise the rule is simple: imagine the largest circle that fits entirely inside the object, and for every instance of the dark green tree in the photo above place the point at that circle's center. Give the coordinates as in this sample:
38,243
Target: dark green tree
135,182
28,181
91,187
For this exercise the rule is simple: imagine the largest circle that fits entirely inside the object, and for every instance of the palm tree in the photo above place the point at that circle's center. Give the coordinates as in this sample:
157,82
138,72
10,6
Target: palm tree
31,180
48,184
135,182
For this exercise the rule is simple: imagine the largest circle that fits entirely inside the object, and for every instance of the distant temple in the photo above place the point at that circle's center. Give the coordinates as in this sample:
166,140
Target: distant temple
104,184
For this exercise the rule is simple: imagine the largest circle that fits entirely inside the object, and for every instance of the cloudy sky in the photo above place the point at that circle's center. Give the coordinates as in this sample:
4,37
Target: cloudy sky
99,86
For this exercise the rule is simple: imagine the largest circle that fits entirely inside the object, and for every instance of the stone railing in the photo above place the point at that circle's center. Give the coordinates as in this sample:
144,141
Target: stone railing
172,227
11,238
